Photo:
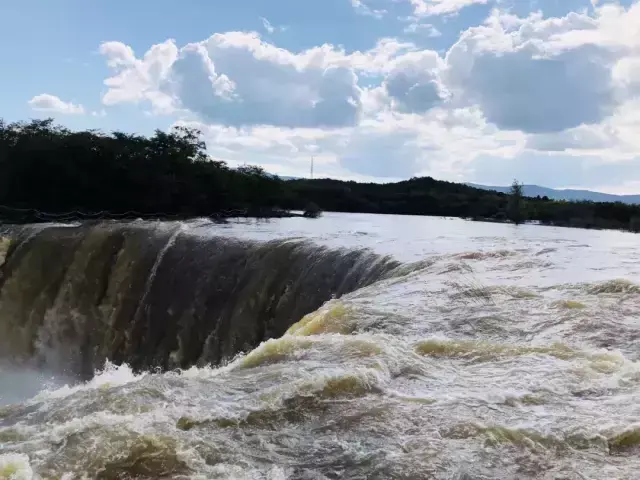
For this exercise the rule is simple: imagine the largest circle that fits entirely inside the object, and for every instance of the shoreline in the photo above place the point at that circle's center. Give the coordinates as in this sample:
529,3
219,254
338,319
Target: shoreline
33,216
224,217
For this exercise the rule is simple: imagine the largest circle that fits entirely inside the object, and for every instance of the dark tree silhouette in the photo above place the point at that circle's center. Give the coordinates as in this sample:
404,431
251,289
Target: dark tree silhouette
516,203
47,168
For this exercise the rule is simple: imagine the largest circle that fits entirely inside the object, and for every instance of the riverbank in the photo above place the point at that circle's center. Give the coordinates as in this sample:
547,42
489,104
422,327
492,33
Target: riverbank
47,168
14,216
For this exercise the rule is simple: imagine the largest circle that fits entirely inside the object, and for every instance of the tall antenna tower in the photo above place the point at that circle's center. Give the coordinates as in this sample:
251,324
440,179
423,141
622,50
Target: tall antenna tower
312,167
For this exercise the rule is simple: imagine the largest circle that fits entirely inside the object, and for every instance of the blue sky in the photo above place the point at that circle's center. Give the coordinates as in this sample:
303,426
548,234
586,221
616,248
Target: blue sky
546,91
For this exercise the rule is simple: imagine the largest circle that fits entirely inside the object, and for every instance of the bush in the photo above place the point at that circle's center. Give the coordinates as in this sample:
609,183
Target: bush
312,210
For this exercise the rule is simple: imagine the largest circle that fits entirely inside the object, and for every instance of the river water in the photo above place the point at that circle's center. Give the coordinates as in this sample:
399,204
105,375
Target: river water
491,352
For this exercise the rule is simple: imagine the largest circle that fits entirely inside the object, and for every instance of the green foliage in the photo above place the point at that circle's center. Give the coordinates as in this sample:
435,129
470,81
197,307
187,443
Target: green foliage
426,196
516,203
49,168
312,210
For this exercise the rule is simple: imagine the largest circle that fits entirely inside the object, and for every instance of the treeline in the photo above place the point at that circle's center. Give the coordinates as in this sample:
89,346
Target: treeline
426,196
47,168
52,169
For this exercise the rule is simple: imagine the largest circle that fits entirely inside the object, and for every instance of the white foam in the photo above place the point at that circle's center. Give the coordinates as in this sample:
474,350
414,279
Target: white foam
110,376
15,466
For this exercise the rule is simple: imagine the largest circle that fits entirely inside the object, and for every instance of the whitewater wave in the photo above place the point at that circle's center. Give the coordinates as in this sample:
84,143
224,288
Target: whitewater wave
457,366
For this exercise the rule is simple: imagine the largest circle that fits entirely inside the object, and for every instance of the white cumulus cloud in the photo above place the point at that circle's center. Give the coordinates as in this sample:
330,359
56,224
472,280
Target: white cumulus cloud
364,9
441,7
511,68
52,104
507,93
135,79
414,82
239,79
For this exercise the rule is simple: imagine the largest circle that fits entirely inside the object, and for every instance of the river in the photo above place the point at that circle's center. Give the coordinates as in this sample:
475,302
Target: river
351,346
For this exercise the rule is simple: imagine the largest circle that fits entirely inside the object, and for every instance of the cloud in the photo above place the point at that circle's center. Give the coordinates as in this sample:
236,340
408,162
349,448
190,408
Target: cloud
626,74
572,83
270,28
136,79
363,9
238,79
426,29
420,8
524,79
267,25
425,8
386,155
391,146
613,140
414,84
507,95
585,138
118,54
554,170
52,104
518,91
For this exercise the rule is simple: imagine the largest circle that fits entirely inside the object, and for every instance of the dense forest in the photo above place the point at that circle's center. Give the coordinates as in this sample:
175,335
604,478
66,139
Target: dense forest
47,168
426,196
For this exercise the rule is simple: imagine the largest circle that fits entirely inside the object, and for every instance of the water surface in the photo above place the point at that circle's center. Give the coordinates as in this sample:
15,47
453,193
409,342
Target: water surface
491,352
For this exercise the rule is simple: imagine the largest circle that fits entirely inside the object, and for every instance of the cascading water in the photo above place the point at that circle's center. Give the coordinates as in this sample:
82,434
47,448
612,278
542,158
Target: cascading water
156,296
516,359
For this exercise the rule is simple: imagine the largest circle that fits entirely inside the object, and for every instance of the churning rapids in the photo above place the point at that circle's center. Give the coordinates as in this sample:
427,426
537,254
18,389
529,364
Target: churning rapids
352,346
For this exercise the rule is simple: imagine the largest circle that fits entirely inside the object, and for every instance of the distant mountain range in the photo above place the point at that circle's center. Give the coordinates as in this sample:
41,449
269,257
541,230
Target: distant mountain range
535,190
552,193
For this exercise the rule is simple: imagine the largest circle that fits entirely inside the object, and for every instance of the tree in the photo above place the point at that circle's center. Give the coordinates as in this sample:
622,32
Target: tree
45,167
312,210
48,168
516,203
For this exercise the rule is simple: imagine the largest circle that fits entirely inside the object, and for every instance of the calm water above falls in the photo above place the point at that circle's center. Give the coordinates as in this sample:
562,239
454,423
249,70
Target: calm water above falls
490,352
409,238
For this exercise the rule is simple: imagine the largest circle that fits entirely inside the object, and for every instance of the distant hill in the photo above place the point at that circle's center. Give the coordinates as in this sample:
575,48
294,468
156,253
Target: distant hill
552,193
558,194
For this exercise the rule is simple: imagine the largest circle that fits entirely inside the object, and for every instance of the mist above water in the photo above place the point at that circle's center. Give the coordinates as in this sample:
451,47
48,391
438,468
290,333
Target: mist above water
19,383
